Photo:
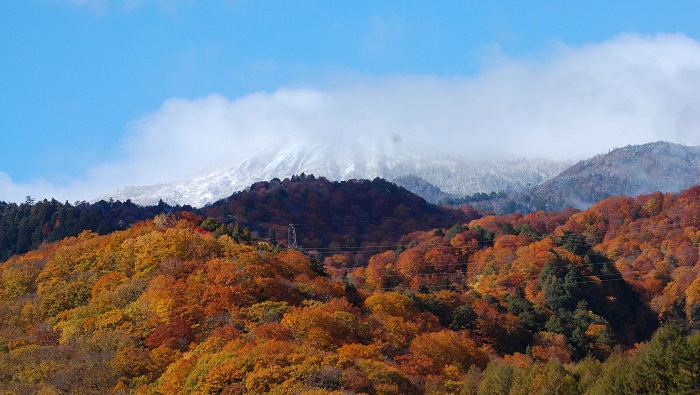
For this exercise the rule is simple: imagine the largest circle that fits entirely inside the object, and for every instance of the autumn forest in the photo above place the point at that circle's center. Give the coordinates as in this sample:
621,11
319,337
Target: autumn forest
383,293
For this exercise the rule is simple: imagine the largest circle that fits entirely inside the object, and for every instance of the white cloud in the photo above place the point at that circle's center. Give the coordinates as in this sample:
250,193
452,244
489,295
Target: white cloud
570,103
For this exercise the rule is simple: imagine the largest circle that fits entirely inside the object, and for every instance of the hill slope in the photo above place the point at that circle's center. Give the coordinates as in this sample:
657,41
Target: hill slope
351,213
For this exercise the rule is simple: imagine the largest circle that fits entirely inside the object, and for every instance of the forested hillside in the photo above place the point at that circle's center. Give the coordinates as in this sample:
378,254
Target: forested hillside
356,213
561,302
23,227
332,216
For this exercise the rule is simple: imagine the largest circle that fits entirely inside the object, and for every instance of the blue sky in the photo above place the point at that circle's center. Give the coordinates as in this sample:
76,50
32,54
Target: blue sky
92,90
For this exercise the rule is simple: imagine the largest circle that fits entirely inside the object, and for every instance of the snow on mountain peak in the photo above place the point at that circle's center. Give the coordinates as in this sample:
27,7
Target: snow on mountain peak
342,161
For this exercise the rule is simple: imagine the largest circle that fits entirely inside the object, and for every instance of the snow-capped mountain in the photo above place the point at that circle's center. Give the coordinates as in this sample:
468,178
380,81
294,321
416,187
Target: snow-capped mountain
630,171
430,175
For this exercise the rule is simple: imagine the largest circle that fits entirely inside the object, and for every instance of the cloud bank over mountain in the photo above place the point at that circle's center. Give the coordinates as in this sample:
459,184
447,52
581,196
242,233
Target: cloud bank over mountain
567,103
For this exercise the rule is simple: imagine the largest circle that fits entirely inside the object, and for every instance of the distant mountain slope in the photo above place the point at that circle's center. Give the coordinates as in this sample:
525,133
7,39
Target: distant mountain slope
452,176
629,171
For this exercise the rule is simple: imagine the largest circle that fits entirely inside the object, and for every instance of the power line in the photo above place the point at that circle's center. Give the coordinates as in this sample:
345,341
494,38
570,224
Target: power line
592,278
580,279
345,222
441,287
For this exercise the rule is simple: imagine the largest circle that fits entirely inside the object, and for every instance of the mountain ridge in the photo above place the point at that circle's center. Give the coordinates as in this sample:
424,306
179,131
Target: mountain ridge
452,175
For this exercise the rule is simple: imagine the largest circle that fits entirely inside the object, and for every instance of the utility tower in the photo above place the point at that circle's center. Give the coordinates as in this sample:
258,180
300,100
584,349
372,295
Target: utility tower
291,237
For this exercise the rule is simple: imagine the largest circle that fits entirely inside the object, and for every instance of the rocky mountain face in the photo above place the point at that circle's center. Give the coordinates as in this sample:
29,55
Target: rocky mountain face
630,171
432,176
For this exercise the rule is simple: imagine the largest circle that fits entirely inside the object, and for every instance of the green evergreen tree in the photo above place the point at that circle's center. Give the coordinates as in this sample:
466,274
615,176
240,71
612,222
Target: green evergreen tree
497,379
669,363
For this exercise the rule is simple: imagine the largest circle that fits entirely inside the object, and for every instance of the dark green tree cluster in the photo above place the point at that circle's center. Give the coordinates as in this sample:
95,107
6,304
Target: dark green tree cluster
219,229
